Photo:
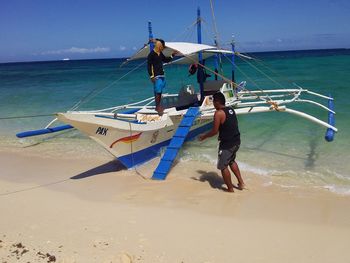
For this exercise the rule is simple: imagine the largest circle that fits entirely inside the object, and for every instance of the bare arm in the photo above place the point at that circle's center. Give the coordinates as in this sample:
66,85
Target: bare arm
219,117
166,59
150,66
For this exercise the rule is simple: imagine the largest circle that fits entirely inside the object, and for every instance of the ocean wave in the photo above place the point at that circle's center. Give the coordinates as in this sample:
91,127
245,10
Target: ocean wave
336,189
319,177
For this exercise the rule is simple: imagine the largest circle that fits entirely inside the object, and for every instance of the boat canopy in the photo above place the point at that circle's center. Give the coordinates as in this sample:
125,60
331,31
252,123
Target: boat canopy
186,49
193,58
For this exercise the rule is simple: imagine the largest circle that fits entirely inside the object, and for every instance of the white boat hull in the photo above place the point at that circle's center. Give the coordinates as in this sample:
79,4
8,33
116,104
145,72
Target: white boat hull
131,142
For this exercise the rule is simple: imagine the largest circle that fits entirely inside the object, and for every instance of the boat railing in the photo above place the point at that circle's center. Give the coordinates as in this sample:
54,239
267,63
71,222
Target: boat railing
134,105
120,107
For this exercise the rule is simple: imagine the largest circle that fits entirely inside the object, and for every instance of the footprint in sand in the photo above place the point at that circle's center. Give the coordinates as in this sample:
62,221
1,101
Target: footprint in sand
125,258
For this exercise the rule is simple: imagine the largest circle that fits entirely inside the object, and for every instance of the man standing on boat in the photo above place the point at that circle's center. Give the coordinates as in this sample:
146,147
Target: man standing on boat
225,122
155,61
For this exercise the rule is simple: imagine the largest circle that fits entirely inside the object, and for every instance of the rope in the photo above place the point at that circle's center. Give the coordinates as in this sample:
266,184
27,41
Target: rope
263,73
34,187
274,105
247,77
214,22
209,34
221,74
132,156
276,72
230,81
250,79
269,99
273,71
185,31
75,106
261,62
86,98
226,79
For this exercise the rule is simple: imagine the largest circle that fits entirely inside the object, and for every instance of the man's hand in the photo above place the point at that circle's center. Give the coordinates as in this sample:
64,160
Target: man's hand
153,80
174,53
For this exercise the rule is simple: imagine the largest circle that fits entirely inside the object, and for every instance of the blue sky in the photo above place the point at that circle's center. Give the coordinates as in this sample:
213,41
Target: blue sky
32,30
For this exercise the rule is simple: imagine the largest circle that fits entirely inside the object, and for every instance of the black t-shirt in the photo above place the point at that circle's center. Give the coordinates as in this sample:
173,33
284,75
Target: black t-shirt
228,131
155,63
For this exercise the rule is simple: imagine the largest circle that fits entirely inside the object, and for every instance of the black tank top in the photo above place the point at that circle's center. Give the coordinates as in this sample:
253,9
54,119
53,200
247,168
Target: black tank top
228,131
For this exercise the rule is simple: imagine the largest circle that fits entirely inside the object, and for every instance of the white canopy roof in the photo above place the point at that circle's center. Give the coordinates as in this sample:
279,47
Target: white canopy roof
193,58
188,50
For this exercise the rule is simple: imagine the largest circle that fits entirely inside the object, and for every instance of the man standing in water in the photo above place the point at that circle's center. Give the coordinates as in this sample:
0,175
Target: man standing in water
225,122
155,61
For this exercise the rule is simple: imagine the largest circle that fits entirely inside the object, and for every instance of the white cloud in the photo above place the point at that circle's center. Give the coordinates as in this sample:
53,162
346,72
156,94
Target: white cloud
134,48
122,48
75,50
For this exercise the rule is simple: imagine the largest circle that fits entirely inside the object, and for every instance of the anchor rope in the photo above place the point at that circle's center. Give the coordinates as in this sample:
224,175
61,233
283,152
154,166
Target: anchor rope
132,156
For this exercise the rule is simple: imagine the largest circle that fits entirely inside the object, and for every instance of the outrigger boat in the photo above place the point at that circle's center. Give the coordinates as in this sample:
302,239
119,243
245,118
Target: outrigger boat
135,133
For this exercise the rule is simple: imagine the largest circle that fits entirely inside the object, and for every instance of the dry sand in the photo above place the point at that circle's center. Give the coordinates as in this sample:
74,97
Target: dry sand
61,210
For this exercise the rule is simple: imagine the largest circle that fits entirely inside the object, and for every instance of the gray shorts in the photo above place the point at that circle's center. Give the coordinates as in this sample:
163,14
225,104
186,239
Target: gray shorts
226,157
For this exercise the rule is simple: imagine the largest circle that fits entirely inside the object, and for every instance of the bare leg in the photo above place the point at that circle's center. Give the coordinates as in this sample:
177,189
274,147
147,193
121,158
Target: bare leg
235,169
158,98
226,175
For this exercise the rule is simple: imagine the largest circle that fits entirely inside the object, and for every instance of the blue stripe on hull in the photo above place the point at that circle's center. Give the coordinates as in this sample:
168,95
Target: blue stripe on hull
131,160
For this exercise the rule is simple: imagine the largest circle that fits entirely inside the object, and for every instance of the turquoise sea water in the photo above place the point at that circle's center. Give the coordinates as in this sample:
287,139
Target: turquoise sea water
285,149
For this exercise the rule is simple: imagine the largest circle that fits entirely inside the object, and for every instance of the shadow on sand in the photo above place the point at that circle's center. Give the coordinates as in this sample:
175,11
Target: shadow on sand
214,180
112,166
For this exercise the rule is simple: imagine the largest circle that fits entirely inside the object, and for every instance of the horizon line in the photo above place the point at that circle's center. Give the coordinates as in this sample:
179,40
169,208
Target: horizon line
250,52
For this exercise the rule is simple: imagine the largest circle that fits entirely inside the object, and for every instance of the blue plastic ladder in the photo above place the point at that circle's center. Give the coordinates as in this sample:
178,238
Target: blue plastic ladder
175,144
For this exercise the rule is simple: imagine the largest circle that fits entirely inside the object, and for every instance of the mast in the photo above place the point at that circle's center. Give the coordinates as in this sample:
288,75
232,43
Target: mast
233,59
150,36
200,73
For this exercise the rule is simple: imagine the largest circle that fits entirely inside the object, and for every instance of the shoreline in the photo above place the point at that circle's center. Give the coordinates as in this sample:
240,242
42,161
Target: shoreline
84,211
322,178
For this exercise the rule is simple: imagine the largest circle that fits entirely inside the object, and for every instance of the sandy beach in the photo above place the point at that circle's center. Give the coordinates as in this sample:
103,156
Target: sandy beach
64,210
85,82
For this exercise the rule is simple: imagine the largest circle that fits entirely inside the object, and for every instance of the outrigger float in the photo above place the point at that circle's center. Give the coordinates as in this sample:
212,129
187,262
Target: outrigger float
135,133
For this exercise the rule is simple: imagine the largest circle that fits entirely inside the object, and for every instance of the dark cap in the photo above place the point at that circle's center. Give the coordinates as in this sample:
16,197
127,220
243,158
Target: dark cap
219,97
161,41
